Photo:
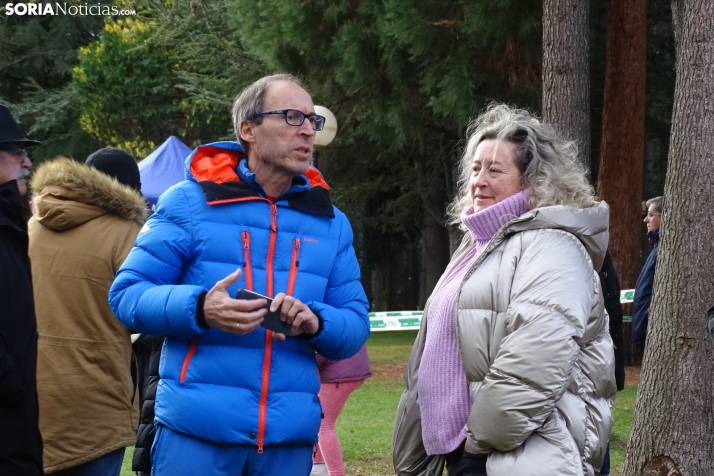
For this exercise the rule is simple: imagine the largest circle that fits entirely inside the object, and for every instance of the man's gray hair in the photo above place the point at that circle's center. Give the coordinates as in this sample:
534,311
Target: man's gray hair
249,103
657,203
549,165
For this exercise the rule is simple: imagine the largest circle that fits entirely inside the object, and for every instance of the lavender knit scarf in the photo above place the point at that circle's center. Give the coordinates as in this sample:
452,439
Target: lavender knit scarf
443,391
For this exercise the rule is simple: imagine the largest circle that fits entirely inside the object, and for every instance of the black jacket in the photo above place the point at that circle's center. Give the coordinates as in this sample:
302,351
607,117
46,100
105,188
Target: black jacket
643,294
610,284
20,441
148,351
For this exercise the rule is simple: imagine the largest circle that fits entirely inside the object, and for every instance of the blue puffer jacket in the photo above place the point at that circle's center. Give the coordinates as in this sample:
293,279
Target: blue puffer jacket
223,387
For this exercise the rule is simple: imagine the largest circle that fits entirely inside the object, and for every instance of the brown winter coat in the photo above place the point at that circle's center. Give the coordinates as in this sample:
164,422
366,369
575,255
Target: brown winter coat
83,227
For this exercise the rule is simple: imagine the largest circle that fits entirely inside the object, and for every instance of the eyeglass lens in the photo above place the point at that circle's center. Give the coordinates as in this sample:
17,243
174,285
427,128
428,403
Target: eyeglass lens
296,118
17,152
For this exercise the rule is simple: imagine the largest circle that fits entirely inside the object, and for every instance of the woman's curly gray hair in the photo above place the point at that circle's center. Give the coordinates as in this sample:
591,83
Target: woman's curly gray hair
549,165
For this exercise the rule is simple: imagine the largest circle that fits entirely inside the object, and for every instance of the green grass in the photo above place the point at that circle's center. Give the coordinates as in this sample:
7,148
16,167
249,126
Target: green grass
624,405
390,347
365,424
126,465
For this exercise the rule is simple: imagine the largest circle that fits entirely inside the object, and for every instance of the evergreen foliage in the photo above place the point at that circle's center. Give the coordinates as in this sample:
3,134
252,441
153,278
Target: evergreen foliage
403,78
132,104
37,54
174,71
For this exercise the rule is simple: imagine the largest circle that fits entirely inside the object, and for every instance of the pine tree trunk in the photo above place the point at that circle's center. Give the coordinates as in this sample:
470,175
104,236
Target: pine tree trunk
622,147
673,425
566,86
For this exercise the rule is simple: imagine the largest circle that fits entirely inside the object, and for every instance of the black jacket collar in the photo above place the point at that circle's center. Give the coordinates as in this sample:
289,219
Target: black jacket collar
316,200
11,207
653,237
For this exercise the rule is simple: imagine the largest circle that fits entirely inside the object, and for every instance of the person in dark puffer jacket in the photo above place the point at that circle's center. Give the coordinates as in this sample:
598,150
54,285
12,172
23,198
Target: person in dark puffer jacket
610,285
146,347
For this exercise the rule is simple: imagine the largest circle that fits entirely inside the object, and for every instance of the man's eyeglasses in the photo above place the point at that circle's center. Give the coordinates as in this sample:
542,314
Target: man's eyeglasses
16,151
294,117
652,215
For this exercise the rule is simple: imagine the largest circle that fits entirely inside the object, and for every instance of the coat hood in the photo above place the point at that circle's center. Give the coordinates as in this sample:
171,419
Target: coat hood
68,194
589,225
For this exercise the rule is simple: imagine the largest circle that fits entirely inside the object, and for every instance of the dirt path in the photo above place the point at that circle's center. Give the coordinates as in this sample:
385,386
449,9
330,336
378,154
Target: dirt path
632,375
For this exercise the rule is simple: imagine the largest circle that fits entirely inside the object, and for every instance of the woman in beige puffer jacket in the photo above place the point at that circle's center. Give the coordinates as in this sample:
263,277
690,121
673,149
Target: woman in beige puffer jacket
530,323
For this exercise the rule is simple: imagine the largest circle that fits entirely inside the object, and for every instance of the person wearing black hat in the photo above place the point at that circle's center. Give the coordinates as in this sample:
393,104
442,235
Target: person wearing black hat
118,164
86,218
20,441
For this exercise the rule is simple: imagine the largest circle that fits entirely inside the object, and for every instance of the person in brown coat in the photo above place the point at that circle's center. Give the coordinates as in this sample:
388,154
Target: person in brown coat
85,221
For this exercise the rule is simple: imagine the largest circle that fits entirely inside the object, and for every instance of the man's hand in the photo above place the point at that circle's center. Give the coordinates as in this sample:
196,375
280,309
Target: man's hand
232,315
296,313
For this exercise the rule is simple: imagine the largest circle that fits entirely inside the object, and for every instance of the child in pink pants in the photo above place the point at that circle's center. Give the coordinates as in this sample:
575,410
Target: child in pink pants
338,378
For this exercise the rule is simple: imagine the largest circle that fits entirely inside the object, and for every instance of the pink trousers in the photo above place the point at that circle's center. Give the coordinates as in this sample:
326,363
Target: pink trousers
333,397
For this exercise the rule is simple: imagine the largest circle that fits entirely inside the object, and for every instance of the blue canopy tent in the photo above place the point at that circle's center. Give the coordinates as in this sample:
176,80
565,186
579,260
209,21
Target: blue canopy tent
163,168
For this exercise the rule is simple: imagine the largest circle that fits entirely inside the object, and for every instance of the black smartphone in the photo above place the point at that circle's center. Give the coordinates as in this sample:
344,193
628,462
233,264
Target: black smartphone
271,321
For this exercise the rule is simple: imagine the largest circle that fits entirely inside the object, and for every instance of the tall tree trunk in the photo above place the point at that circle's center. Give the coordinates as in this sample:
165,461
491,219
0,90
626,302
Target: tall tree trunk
566,86
673,428
622,148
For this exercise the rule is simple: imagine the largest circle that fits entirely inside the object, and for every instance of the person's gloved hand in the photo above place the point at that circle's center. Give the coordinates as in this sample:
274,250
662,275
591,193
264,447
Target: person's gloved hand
467,463
476,464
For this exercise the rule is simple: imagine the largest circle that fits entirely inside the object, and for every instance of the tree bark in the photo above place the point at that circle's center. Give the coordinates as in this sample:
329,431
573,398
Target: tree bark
623,134
566,86
673,428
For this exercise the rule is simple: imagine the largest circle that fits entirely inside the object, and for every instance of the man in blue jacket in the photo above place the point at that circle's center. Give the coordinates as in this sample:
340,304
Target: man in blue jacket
233,397
643,287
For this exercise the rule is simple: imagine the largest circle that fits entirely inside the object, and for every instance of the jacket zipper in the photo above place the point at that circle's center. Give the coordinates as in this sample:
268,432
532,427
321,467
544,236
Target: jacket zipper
247,267
187,359
294,263
271,248
263,408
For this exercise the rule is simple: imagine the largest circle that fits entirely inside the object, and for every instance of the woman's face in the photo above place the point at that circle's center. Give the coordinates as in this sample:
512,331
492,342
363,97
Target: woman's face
494,176
653,218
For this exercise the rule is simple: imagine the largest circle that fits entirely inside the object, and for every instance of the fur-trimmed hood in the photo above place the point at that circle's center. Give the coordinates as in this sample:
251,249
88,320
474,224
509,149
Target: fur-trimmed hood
67,194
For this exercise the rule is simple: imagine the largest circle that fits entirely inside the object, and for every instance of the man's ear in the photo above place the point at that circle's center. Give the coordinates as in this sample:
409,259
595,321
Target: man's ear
247,131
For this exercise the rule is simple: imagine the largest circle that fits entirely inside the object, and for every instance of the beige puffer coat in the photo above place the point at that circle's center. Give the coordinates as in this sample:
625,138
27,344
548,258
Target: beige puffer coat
84,225
535,345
